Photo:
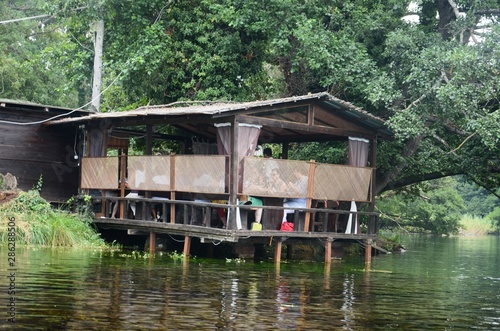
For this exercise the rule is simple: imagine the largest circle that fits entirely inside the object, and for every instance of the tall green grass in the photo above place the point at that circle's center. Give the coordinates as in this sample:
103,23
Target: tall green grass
474,225
37,223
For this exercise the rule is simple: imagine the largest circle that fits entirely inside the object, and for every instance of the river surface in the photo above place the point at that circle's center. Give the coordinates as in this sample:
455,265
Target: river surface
437,284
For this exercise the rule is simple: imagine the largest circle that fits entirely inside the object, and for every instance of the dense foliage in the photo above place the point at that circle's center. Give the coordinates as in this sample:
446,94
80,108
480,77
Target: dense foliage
434,79
440,207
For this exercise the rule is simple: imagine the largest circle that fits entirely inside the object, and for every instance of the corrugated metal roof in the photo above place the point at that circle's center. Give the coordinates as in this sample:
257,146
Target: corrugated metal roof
217,108
31,105
227,108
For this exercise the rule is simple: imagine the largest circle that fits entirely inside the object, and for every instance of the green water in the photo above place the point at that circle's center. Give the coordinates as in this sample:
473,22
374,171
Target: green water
437,284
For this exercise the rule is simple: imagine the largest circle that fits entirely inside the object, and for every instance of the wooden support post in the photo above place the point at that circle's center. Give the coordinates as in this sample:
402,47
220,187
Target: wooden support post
104,210
277,251
368,252
123,179
210,251
289,249
328,250
371,206
187,246
310,188
233,174
172,188
326,272
152,242
284,151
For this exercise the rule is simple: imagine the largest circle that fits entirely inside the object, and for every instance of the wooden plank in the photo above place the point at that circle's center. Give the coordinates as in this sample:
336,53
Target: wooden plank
60,181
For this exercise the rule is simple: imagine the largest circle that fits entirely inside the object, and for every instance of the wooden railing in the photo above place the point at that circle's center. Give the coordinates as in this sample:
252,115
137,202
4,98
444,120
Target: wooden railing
197,175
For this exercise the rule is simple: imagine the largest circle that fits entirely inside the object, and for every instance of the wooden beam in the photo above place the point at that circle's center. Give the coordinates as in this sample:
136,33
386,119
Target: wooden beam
149,139
233,174
172,187
123,165
284,150
373,164
306,127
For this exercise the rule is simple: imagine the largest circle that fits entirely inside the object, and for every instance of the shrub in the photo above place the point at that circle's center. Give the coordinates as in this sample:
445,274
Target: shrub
37,223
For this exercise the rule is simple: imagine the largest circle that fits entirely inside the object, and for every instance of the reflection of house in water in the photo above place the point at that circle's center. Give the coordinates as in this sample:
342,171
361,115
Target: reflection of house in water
236,129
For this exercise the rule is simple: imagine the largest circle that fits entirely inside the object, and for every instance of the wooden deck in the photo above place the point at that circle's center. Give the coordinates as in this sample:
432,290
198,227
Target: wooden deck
209,233
219,234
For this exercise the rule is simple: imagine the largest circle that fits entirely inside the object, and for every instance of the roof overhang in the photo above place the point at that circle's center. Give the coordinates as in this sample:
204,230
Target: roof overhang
312,117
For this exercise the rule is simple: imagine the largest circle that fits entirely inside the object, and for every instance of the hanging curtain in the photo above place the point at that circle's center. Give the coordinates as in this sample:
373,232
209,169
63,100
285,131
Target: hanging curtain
358,152
353,216
96,142
358,157
223,138
203,147
248,136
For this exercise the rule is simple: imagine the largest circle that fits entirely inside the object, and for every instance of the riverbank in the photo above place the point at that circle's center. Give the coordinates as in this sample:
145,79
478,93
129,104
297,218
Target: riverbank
476,226
31,220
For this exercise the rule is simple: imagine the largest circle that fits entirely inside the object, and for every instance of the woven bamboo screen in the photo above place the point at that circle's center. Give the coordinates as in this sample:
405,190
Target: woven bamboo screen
342,183
275,177
149,173
100,173
200,173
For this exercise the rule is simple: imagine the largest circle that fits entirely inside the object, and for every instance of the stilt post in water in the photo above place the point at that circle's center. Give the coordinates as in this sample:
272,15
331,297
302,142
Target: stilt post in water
277,251
328,251
152,242
368,251
187,246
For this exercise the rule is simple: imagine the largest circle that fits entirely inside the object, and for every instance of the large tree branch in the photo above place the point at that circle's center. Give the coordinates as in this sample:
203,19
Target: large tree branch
448,126
490,11
409,150
405,181
453,5
491,191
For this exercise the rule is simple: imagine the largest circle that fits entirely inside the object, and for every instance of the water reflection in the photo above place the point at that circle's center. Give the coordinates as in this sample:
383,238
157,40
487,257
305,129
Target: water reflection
439,284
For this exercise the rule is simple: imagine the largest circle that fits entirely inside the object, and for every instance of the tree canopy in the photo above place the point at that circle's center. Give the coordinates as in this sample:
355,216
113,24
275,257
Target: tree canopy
434,79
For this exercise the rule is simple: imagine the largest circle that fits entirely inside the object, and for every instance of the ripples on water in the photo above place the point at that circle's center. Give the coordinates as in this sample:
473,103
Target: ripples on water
438,284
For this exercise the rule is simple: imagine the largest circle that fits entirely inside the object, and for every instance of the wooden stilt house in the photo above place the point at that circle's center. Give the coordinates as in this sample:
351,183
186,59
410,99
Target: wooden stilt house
218,169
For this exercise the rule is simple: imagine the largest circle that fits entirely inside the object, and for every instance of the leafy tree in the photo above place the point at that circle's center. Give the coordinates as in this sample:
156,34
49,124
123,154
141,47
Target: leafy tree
25,72
433,207
434,81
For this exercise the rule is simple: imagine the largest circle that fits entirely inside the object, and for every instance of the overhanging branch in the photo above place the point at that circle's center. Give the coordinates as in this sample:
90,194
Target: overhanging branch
405,181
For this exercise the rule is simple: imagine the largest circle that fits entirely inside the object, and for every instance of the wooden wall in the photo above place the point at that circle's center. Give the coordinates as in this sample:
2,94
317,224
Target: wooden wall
31,151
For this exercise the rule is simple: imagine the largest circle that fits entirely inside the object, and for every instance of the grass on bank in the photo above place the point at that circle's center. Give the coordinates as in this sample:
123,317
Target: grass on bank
474,225
37,223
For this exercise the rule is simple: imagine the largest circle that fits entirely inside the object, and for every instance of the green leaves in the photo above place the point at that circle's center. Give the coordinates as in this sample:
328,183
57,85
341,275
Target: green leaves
439,93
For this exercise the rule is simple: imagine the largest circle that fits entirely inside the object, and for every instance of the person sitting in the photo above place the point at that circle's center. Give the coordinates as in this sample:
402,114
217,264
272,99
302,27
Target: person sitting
299,187
268,154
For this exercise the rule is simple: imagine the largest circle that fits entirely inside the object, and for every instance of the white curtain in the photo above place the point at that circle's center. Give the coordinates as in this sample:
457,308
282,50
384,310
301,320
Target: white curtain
248,136
96,141
358,157
358,152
